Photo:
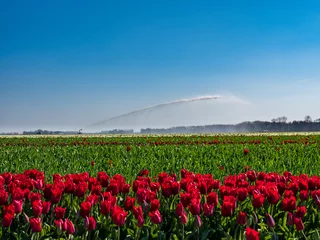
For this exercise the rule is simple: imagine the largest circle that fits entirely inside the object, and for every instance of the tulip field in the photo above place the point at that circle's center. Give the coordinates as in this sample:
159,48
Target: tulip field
258,186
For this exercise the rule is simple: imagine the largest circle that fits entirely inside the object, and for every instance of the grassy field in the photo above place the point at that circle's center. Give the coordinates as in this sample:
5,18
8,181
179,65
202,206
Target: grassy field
216,154
231,186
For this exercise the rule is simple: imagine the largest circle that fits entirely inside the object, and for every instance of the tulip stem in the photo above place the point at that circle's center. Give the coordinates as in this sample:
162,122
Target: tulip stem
198,233
118,232
304,235
182,231
236,231
138,233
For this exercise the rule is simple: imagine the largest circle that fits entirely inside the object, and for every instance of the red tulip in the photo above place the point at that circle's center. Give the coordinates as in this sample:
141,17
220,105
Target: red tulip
212,198
90,223
81,189
155,217
290,219
46,207
304,194
103,178
179,210
126,188
18,204
273,196
143,172
183,218
298,223
37,208
166,189
227,208
154,205
9,209
36,224
3,197
140,220
59,212
301,211
242,218
185,199
119,216
56,195
155,186
289,203
258,200
208,209
59,224
7,220
70,227
242,194
270,221
197,221
175,188
106,207
129,203
195,207
85,209
251,234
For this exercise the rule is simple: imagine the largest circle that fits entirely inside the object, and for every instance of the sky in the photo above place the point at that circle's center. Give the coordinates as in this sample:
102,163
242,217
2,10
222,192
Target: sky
65,65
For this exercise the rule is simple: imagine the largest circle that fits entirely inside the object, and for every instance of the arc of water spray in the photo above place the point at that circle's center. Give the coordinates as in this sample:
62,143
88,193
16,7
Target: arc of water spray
204,98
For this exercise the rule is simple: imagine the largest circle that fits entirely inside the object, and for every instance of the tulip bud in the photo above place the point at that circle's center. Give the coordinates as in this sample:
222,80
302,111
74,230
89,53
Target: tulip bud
183,218
197,221
301,211
25,218
46,207
18,204
242,218
59,224
255,218
299,224
155,217
208,209
270,221
140,221
145,206
179,209
86,223
70,227
290,219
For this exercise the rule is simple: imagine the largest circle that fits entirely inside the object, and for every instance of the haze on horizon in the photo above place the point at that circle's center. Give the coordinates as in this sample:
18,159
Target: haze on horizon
67,65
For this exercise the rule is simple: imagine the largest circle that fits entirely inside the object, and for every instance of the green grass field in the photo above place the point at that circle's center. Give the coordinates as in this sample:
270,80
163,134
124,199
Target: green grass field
216,154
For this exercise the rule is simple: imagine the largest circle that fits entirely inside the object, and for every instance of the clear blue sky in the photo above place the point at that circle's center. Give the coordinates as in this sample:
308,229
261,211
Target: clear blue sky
67,64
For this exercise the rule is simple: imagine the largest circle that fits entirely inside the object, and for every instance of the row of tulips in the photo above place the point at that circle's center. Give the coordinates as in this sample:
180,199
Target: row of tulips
143,141
250,205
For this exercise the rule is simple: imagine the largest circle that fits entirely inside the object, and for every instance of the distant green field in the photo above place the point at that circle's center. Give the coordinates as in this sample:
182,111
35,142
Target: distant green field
217,154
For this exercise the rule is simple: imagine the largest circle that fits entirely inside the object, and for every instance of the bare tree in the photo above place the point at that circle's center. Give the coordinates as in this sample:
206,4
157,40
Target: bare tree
308,119
279,120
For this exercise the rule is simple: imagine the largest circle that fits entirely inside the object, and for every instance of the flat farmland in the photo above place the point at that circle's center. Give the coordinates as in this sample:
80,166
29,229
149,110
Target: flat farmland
227,186
215,154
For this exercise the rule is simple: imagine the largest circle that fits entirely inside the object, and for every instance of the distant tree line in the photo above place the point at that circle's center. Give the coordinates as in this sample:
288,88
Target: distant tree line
47,132
279,124
118,131
276,125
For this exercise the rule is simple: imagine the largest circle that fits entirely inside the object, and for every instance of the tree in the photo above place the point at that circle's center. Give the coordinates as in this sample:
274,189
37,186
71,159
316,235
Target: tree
279,120
317,120
283,119
308,119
